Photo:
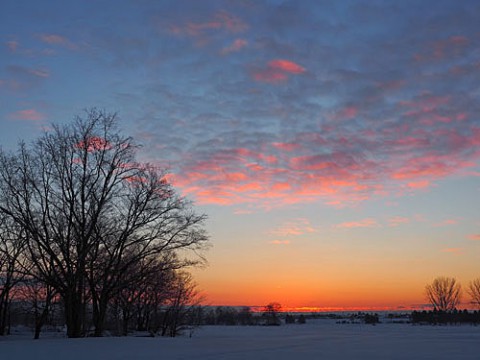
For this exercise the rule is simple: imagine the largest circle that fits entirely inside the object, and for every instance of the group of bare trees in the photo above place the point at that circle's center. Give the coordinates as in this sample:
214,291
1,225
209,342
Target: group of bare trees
84,221
445,293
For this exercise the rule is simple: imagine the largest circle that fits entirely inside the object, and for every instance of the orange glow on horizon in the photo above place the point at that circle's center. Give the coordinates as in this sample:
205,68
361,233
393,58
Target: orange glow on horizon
326,297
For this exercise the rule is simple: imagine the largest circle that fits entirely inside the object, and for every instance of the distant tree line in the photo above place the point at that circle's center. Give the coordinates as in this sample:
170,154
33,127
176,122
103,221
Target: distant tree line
440,317
445,294
86,228
270,315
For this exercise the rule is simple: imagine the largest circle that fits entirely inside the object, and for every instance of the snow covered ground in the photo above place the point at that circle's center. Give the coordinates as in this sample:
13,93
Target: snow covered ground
318,339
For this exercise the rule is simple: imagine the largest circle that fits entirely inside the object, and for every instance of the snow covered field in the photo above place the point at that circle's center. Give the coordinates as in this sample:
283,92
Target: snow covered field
318,339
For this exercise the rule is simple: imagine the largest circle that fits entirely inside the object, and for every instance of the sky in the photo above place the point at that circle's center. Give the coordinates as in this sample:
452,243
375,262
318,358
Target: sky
334,145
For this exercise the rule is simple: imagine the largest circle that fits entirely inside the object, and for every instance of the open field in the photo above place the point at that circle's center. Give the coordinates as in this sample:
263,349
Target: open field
318,339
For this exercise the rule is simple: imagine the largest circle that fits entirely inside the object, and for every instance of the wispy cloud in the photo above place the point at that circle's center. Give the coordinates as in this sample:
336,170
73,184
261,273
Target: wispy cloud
447,222
422,184
365,223
343,124
475,237
21,78
204,27
27,114
57,40
277,70
18,70
449,47
12,45
286,66
398,220
235,46
280,242
294,227
455,251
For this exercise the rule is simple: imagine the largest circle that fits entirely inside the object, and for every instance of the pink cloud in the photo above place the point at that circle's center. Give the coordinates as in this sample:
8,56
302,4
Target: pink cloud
344,113
365,223
314,162
243,211
450,46
52,39
277,70
455,251
12,45
420,218
237,45
448,222
244,154
94,143
410,142
295,227
236,176
135,179
281,186
195,29
339,165
269,75
443,49
40,73
287,66
475,237
55,39
217,196
280,242
349,112
428,166
398,220
231,22
276,176
391,85
286,146
272,180
27,114
419,184
425,104
220,21
249,187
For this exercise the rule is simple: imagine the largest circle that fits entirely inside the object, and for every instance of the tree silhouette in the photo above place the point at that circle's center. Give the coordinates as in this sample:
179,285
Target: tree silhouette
444,293
91,213
270,313
474,291
12,245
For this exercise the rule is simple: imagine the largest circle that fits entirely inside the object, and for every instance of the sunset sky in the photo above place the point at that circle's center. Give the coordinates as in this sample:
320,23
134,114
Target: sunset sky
334,145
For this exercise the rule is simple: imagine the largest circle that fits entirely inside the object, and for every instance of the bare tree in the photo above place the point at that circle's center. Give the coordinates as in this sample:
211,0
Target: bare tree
474,291
39,298
245,316
12,244
91,212
140,300
444,293
270,313
163,301
180,306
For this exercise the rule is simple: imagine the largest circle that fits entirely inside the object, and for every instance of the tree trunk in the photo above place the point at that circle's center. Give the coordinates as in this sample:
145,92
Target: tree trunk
99,316
42,318
74,315
38,329
3,314
126,319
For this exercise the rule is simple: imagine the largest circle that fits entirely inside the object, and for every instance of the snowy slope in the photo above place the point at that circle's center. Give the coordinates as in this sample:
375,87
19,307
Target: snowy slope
318,339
